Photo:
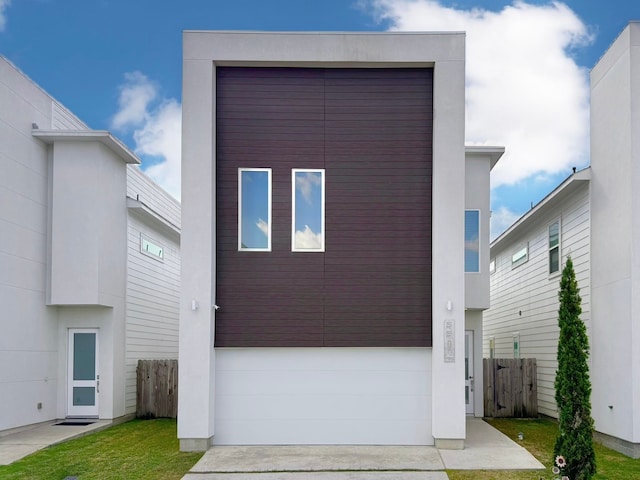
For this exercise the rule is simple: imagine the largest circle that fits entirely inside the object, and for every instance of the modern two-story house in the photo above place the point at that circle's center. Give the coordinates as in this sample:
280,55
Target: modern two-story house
89,264
330,210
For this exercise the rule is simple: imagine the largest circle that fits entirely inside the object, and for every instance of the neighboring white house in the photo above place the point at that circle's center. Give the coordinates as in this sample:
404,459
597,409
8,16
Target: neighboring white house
592,216
526,263
328,219
89,263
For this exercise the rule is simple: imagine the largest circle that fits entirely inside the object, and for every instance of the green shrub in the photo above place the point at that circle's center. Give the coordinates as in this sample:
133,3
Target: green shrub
574,442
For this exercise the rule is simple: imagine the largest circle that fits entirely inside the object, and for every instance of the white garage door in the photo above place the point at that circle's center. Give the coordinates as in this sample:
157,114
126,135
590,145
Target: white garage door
358,396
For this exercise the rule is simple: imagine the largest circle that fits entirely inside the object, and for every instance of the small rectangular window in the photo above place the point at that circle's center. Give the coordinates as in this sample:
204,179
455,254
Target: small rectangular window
254,209
520,257
151,248
472,241
554,247
516,345
492,266
307,191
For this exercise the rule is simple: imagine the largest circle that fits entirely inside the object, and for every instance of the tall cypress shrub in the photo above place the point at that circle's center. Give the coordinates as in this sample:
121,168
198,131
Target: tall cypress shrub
573,387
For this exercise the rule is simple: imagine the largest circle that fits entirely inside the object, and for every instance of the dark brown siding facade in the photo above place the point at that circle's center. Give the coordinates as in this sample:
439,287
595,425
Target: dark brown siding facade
371,130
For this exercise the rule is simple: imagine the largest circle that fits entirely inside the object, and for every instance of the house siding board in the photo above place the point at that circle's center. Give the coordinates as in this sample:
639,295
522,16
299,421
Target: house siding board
63,119
141,187
153,286
370,129
530,289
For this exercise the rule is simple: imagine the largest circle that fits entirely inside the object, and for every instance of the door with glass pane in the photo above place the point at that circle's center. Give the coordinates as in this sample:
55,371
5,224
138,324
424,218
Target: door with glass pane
468,371
83,377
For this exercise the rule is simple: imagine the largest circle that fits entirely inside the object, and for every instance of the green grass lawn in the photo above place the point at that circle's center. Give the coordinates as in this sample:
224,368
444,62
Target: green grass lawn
140,449
539,437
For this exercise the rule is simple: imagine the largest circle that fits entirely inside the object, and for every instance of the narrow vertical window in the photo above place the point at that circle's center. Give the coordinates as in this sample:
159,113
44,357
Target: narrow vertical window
472,241
516,345
254,209
307,190
554,247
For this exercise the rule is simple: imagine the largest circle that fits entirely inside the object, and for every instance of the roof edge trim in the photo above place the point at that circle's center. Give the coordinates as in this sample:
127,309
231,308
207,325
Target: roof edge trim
101,136
583,175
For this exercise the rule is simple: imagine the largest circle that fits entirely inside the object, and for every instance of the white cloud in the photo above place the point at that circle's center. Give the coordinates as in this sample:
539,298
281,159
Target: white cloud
156,127
307,239
524,91
135,96
501,219
4,4
305,184
263,226
472,245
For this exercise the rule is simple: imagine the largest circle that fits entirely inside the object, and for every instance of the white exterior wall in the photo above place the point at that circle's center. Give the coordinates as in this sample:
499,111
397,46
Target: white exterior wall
202,51
88,230
524,299
153,285
87,260
28,342
479,162
615,152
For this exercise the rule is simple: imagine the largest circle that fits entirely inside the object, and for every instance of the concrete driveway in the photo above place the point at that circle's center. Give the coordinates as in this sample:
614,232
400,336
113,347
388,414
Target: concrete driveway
485,449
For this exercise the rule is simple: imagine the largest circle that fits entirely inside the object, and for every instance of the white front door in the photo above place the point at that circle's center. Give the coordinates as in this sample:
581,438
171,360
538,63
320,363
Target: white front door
83,378
468,371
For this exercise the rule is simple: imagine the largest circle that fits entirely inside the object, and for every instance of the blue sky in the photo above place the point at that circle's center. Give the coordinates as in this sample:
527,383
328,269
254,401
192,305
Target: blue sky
117,65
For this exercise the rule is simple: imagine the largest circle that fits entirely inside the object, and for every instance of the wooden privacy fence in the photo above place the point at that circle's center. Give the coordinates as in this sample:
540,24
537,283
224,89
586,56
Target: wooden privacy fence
510,387
157,388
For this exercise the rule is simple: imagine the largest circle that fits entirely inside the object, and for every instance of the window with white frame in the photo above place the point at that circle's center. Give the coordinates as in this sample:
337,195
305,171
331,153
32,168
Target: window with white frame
254,209
307,220
472,241
520,256
554,247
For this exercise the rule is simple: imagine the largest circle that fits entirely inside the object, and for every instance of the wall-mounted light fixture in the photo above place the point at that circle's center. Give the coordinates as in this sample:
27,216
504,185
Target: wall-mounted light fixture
449,305
194,305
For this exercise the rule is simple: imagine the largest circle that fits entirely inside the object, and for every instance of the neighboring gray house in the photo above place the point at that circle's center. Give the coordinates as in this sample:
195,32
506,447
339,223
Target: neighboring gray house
329,217
89,263
592,216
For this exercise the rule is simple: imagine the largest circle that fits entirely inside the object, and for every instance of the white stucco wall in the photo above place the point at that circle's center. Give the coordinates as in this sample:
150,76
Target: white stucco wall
202,51
88,224
615,161
478,164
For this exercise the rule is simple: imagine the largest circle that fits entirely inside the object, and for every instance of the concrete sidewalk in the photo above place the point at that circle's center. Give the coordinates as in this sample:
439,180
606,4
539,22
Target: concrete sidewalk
485,449
24,441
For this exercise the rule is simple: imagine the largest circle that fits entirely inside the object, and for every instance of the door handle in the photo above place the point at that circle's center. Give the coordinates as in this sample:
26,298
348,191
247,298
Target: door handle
98,384
471,383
